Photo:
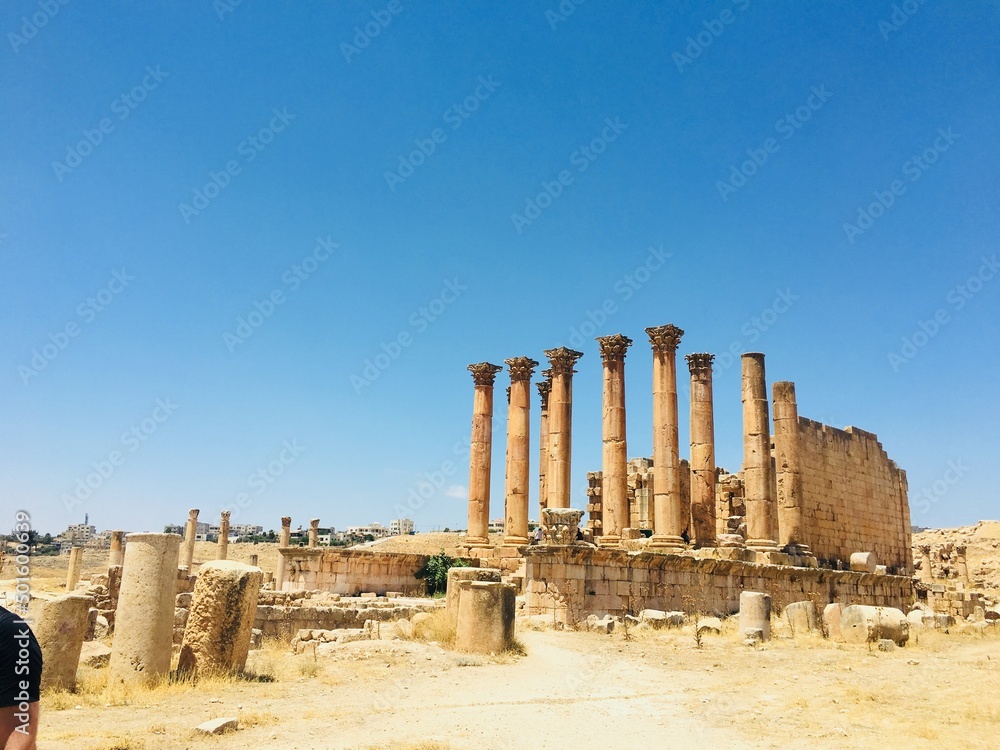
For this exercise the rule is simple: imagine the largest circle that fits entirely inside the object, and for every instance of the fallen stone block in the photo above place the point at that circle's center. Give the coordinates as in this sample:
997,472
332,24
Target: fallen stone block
95,654
861,623
710,625
657,618
597,624
219,726
801,616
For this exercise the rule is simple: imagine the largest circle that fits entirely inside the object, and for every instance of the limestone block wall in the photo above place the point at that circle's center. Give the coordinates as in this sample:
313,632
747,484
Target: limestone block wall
351,571
279,621
569,583
854,497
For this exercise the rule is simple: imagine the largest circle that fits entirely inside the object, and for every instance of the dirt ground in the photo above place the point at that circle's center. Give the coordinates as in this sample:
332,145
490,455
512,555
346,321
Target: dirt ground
570,690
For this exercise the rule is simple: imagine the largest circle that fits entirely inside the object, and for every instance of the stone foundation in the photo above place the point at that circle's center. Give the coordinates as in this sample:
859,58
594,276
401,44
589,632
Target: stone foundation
281,621
570,583
351,571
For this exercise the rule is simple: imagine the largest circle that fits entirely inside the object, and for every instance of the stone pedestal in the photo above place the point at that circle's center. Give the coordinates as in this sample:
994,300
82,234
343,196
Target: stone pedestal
558,474
485,617
284,538
480,454
217,635
116,554
60,626
73,572
758,474
456,576
668,517
190,534
703,523
223,552
144,620
518,452
614,464
755,613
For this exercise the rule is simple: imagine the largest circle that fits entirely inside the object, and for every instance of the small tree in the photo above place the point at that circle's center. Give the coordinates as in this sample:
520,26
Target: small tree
435,571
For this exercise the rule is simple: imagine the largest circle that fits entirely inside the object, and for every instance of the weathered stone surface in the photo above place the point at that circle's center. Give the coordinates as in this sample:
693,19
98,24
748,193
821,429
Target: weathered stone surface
404,629
755,614
597,624
217,636
485,617
885,644
455,578
831,620
801,616
710,625
219,726
95,654
863,562
60,626
861,623
560,526
102,628
658,619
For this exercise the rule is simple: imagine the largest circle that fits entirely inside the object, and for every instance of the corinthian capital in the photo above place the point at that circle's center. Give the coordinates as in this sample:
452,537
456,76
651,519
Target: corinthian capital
562,360
484,373
614,348
665,339
698,362
521,368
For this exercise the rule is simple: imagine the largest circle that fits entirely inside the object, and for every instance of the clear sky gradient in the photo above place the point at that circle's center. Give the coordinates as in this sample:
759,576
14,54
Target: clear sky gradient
269,237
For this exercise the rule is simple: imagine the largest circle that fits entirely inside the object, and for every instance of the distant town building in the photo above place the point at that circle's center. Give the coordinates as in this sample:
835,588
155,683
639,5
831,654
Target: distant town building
375,530
245,529
400,527
496,526
79,533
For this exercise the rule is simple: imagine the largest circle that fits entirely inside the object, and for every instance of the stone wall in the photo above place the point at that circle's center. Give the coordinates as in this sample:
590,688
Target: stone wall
281,621
351,571
570,583
854,497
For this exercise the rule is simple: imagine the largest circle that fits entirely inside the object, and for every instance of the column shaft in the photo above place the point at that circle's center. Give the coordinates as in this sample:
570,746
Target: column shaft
544,388
668,521
190,532
758,476
480,453
116,554
614,464
223,552
284,538
702,450
559,474
518,451
788,470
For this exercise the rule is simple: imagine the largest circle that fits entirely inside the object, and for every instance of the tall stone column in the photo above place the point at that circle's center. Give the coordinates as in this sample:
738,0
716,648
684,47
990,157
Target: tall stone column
788,470
115,552
614,454
702,450
544,388
313,532
558,474
284,539
73,572
926,564
518,451
480,454
668,517
224,536
962,563
190,533
758,476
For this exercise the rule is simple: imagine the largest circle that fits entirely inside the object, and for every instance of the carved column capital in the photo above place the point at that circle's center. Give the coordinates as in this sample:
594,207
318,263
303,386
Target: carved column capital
665,339
562,360
286,522
521,368
193,514
314,523
614,348
544,389
699,362
226,514
484,373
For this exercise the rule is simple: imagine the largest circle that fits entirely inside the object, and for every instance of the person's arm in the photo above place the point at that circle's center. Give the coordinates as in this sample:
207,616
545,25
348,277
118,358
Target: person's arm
19,734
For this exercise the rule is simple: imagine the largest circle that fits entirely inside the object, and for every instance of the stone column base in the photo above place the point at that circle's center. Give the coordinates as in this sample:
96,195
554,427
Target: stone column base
665,543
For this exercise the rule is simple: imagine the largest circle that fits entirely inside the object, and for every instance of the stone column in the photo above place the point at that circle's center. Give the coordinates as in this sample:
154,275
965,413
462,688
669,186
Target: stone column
480,454
926,565
558,474
702,450
962,563
755,614
190,532
313,532
518,451
284,538
73,572
217,634
788,470
485,622
668,519
144,621
224,535
614,454
758,475
61,624
116,554
544,388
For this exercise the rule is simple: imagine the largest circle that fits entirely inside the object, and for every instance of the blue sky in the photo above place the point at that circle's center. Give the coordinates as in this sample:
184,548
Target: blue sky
214,217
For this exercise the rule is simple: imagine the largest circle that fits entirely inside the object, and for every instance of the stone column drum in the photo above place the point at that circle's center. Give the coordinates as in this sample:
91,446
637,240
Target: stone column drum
962,563
758,475
788,470
217,635
755,614
702,450
224,536
544,388
116,553
668,520
313,533
190,533
926,564
480,454
284,538
73,572
454,588
559,474
614,454
144,621
518,452
60,627
485,617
